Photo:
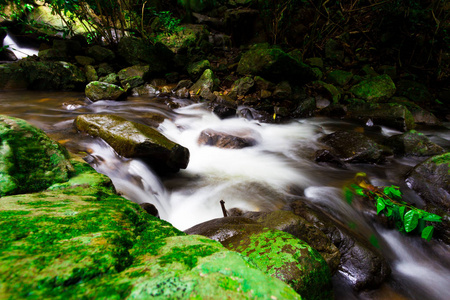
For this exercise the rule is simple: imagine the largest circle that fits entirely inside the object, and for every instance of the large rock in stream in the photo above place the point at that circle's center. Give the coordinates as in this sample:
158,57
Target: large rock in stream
97,90
362,265
29,160
353,147
79,240
431,180
278,253
135,140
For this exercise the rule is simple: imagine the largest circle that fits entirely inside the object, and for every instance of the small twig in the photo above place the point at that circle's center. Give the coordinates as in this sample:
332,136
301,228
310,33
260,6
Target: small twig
224,211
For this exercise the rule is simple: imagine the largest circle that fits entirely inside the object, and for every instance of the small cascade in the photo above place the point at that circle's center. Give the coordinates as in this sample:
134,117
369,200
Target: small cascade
131,177
14,46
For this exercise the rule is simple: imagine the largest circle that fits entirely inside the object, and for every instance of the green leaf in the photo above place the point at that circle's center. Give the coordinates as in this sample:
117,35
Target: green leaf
411,220
427,232
432,218
388,212
401,212
392,191
380,205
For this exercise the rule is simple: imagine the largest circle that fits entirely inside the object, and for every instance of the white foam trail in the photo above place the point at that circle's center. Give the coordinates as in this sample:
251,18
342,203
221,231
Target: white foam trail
424,271
131,178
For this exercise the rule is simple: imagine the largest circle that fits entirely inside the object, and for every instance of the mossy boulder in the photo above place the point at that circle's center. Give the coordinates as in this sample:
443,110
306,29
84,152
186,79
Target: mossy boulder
101,54
414,91
12,77
413,143
133,76
392,115
91,73
52,54
431,180
299,227
339,77
242,86
49,75
278,253
273,63
206,83
135,140
353,147
81,240
374,89
97,90
136,51
29,160
189,37
196,69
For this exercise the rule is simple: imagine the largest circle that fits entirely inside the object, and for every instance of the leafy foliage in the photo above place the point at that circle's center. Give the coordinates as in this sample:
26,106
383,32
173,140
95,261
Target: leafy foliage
388,201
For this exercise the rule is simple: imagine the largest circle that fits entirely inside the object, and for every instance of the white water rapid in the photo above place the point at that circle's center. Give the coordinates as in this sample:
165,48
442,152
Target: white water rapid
18,50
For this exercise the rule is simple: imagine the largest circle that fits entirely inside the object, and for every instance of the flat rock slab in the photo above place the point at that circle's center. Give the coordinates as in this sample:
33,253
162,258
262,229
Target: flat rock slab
135,140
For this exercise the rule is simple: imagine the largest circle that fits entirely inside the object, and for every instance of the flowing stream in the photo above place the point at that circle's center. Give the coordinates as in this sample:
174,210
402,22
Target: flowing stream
279,169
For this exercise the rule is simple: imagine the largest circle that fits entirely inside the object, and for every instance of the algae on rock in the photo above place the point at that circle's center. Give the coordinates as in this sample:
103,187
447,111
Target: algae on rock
29,160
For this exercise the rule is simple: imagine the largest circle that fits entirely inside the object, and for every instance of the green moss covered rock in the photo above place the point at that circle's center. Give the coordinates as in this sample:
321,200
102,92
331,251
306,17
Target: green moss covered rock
374,89
29,160
278,253
12,77
274,64
413,143
52,75
79,240
97,90
386,114
136,140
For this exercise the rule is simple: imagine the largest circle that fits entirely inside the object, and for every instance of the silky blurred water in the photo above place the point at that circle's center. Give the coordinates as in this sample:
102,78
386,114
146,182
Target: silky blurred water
280,168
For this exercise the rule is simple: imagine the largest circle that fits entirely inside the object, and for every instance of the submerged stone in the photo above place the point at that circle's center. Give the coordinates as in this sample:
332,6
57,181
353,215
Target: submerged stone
29,160
136,140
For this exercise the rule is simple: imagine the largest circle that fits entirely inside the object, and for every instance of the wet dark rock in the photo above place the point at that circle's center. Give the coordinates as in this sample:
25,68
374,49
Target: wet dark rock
299,227
392,115
97,90
353,147
282,91
414,91
431,180
277,253
52,54
183,84
413,143
104,69
254,114
101,54
362,265
150,209
135,140
223,106
306,108
7,55
84,60
235,140
327,156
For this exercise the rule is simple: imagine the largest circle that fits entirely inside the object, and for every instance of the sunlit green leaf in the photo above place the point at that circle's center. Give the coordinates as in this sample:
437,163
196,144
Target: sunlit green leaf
432,218
388,212
392,191
401,212
411,220
427,233
380,205
348,195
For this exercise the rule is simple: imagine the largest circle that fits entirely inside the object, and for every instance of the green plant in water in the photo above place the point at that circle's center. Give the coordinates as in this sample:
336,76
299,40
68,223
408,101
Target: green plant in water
388,201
